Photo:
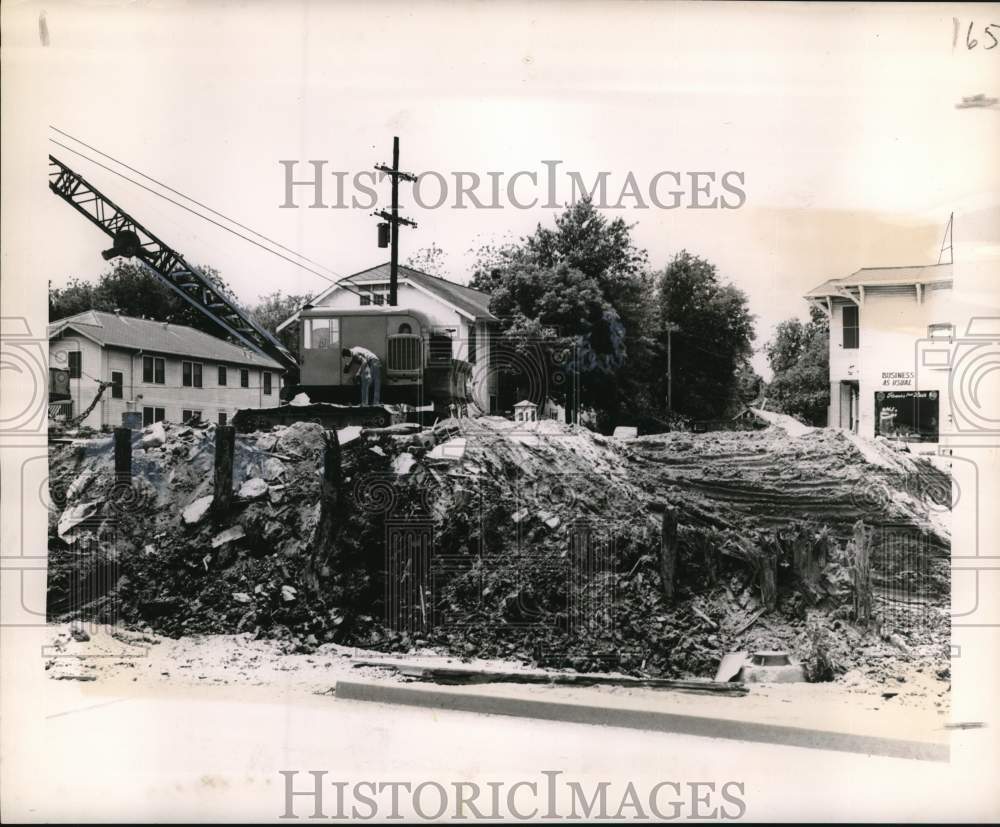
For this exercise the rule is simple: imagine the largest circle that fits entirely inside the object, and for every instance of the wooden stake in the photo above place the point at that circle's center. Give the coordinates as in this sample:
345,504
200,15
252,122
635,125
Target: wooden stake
861,572
225,449
123,455
668,553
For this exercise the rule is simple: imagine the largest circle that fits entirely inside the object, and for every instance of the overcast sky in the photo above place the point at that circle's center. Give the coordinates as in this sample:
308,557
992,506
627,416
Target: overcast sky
841,118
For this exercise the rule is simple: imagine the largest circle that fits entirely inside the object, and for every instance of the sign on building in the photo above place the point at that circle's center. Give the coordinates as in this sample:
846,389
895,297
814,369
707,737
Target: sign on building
908,415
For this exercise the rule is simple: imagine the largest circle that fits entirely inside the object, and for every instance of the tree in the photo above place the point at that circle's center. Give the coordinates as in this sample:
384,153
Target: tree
749,384
272,309
580,289
711,342
128,289
799,356
430,260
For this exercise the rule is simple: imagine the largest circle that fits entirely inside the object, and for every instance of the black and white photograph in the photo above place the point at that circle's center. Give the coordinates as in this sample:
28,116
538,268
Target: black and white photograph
466,411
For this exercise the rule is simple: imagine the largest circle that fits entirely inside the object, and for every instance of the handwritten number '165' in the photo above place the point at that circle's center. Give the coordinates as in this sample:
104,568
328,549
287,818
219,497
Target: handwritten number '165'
970,41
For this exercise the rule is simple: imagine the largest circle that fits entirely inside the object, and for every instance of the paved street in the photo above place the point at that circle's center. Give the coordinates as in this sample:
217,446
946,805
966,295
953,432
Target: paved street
205,754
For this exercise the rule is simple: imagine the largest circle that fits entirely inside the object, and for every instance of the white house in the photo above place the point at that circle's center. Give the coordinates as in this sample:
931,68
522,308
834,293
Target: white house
355,311
167,371
883,322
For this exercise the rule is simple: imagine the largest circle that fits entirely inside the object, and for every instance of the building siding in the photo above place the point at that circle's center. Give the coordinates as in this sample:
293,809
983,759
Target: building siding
211,399
484,380
892,324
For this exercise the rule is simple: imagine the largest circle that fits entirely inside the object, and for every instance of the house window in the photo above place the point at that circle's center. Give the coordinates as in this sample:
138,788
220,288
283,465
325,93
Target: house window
851,332
153,370
151,415
267,383
223,418
222,376
472,344
244,378
191,374
75,364
373,293
190,416
117,381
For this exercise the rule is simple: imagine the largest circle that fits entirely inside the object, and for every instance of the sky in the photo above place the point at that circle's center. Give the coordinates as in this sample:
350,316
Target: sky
841,119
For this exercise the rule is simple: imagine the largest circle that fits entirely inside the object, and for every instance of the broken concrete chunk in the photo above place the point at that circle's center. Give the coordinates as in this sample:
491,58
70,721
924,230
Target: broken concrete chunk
275,494
348,434
197,509
897,641
241,597
403,463
78,632
273,468
301,438
300,400
73,516
517,516
731,666
550,519
266,442
450,451
227,536
154,436
252,489
79,484
288,593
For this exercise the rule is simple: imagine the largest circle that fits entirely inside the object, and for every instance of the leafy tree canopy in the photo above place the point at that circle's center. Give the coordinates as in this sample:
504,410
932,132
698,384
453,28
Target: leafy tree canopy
579,287
128,289
431,260
272,309
799,355
710,330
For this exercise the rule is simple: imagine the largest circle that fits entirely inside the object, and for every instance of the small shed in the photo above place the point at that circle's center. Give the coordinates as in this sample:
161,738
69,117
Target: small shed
525,411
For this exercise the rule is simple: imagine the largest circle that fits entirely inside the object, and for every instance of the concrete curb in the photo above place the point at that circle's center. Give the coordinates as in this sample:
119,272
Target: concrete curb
648,720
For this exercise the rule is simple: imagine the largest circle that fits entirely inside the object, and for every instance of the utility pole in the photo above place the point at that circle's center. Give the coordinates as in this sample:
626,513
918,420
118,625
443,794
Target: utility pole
671,328
392,219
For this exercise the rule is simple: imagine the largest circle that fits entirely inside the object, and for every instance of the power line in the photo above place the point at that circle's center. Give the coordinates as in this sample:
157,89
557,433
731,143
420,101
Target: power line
195,212
194,200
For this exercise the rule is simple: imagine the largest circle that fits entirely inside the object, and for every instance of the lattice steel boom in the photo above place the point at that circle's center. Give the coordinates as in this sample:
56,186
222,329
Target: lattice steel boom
131,239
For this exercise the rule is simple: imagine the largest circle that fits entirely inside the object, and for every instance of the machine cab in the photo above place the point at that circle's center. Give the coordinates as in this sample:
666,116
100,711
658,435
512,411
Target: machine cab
413,353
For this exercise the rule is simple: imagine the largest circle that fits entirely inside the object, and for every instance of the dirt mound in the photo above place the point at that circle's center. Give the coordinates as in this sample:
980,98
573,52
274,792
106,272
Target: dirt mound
541,542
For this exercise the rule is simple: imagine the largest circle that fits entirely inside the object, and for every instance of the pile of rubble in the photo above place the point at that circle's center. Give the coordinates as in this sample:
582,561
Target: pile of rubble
482,537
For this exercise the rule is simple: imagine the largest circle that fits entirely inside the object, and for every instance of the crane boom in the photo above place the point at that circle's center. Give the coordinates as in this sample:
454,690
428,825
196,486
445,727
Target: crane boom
131,239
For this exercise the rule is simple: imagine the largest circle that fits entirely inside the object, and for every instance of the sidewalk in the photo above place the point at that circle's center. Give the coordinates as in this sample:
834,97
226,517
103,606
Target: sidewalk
817,716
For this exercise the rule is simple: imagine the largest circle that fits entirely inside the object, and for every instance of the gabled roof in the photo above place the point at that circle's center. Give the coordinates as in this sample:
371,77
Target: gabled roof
470,302
883,277
112,329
